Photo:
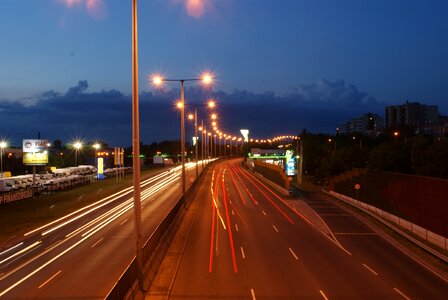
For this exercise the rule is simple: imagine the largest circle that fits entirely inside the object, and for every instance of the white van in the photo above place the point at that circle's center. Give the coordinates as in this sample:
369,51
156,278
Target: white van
7,185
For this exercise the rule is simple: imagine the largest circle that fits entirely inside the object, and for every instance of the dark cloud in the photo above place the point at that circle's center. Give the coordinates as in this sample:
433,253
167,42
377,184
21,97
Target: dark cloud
106,115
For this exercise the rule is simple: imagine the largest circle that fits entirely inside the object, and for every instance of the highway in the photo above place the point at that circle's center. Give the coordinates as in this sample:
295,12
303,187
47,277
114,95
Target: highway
82,255
247,242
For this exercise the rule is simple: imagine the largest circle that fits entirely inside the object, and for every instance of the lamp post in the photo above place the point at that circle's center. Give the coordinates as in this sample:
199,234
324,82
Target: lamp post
136,149
78,146
157,80
195,117
3,145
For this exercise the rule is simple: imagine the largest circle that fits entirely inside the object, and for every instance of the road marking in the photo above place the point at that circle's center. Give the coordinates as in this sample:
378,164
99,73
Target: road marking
236,227
242,252
233,213
252,292
292,252
401,293
264,213
335,215
99,241
323,295
275,228
370,269
49,279
123,222
356,233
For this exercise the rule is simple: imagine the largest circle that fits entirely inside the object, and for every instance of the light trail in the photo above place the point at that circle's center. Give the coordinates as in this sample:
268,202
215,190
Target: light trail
115,212
21,252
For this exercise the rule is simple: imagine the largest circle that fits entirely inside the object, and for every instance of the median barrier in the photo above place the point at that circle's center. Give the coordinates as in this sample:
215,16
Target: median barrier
154,249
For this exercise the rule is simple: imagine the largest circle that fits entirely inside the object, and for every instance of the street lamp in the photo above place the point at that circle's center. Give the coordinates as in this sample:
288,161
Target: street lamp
195,118
77,145
136,149
3,145
158,80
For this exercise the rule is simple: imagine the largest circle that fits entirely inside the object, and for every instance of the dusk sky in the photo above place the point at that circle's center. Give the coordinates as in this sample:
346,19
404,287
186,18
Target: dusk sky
280,65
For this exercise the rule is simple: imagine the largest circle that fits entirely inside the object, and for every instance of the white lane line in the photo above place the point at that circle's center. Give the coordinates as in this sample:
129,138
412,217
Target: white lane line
401,293
275,228
323,294
123,222
264,213
236,227
242,253
370,269
49,279
252,292
99,241
293,254
233,213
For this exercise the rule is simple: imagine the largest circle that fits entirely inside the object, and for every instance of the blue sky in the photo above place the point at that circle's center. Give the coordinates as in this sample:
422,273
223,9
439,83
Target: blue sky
388,51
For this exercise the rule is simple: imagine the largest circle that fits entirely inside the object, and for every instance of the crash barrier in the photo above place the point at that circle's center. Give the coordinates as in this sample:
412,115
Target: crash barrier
416,203
155,248
272,172
15,196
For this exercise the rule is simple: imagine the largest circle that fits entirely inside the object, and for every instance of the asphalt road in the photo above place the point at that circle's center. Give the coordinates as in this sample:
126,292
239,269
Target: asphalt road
246,242
82,255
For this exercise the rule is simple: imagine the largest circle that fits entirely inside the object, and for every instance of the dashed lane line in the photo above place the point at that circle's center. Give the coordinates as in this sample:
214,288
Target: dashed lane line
370,269
51,278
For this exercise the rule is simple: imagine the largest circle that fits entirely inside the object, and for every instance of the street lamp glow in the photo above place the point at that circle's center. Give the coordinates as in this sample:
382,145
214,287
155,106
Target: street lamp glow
211,104
179,104
157,80
190,117
77,145
3,144
207,78
96,146
214,116
214,124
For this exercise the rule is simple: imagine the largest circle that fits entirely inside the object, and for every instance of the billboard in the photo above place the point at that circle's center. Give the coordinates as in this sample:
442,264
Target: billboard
35,152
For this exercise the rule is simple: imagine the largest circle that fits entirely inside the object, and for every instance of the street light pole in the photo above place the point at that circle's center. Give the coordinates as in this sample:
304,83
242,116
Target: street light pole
136,149
196,138
182,131
206,78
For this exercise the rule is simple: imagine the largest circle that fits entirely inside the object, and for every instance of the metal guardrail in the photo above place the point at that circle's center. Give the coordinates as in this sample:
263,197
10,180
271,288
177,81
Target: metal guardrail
155,247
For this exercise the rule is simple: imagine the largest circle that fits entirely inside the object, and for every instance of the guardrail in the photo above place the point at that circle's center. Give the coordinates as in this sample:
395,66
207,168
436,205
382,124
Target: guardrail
155,247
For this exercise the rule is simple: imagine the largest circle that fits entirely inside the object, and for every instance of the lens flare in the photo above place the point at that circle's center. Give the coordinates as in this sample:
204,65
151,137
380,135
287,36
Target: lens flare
97,9
195,8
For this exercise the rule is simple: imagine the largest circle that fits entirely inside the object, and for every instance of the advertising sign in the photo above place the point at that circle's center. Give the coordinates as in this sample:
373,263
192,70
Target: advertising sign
35,152
100,168
34,146
245,133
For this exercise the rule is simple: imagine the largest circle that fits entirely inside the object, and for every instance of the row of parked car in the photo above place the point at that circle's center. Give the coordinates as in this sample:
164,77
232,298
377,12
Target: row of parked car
58,179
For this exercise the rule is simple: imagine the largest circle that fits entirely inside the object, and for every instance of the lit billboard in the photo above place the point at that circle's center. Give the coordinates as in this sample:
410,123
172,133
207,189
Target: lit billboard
35,152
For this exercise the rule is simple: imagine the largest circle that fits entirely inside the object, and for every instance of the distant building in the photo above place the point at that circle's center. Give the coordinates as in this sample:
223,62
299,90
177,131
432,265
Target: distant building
368,124
412,114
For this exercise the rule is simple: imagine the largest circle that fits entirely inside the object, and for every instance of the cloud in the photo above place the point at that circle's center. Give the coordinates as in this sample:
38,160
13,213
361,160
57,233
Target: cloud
106,114
331,93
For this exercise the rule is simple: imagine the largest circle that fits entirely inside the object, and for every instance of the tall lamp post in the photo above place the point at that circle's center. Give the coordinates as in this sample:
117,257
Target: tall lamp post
206,79
78,146
3,145
195,118
136,149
